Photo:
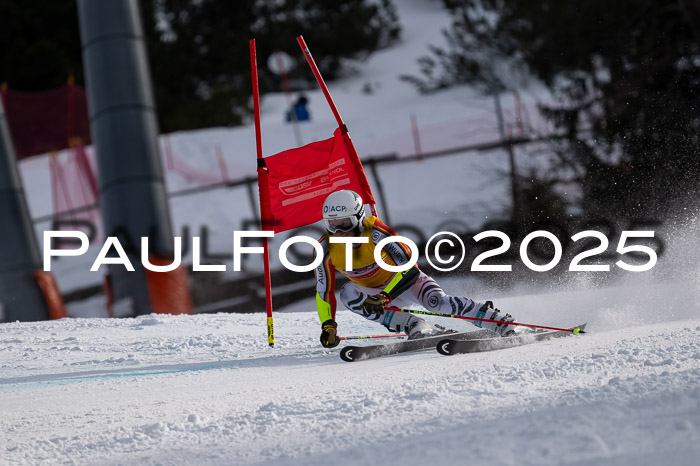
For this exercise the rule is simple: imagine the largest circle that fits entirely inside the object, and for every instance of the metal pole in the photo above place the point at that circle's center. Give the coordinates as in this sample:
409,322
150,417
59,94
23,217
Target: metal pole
416,136
125,133
511,156
575,331
20,295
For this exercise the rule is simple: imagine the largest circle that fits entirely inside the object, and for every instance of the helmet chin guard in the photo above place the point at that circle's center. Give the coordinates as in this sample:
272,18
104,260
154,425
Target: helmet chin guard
343,211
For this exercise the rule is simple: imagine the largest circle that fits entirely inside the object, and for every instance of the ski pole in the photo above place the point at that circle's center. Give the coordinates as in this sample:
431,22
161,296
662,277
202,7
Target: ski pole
364,337
575,331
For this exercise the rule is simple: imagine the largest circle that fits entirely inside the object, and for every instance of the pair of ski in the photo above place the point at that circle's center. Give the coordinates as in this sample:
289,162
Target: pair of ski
454,343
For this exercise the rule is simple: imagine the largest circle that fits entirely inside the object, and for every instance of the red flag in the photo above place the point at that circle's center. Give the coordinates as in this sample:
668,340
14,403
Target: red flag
299,180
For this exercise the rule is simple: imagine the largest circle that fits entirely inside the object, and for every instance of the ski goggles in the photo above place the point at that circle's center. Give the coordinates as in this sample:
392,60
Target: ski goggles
344,224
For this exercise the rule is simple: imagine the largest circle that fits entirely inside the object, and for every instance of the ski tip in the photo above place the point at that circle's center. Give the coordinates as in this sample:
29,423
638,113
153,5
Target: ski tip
347,354
444,347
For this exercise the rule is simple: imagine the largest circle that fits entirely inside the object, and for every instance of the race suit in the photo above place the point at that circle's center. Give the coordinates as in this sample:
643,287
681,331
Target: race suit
367,278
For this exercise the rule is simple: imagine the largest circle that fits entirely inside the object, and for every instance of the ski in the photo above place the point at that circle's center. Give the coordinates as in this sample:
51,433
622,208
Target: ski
449,346
360,353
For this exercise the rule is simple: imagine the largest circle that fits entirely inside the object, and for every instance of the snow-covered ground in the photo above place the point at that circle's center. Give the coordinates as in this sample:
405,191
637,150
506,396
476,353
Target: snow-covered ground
207,389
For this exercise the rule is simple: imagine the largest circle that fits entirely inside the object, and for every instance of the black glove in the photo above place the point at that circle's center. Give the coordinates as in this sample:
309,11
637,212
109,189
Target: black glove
375,304
329,334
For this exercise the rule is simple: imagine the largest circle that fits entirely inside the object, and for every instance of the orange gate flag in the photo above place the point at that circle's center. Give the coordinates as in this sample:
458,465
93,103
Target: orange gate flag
299,180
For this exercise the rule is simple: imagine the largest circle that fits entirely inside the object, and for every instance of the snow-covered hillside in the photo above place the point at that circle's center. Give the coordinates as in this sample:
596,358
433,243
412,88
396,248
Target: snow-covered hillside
207,389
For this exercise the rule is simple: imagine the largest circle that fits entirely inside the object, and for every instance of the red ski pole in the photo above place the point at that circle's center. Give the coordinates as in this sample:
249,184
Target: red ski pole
366,337
575,331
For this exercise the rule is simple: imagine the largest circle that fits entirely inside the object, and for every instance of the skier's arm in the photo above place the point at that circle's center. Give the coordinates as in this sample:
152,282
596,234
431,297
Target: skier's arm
398,284
401,282
325,285
325,299
400,254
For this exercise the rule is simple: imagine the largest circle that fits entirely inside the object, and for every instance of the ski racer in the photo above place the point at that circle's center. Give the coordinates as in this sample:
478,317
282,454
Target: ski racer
371,287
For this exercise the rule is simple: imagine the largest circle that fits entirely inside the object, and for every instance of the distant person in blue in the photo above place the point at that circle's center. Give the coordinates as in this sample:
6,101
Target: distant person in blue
300,110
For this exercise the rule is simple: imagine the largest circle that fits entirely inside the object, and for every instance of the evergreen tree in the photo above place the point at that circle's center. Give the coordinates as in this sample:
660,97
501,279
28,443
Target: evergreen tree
198,50
40,44
200,55
628,71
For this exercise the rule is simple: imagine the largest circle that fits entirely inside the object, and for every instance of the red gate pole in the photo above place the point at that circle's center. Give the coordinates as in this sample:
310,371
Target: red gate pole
265,215
344,129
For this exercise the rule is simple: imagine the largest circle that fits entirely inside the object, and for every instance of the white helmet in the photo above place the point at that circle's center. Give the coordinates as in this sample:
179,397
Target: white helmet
343,211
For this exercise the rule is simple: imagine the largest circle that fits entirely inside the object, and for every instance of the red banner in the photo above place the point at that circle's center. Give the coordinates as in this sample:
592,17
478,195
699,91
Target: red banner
300,179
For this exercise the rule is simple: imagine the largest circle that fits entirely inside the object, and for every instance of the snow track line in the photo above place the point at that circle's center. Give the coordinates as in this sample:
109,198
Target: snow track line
6,386
68,378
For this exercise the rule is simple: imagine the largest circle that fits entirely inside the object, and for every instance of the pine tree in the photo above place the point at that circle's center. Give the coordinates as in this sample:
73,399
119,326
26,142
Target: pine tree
628,71
198,50
40,44
200,56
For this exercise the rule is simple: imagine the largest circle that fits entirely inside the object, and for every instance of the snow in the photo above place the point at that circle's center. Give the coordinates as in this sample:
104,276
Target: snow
207,389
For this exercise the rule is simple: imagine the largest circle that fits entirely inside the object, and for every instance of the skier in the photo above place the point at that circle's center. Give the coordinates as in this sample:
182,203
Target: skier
371,287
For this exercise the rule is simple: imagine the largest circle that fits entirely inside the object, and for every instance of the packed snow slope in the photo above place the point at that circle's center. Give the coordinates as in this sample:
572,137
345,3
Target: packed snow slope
208,390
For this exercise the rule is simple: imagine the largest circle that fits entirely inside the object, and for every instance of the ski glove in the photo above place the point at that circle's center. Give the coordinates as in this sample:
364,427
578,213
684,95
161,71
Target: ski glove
329,334
375,304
